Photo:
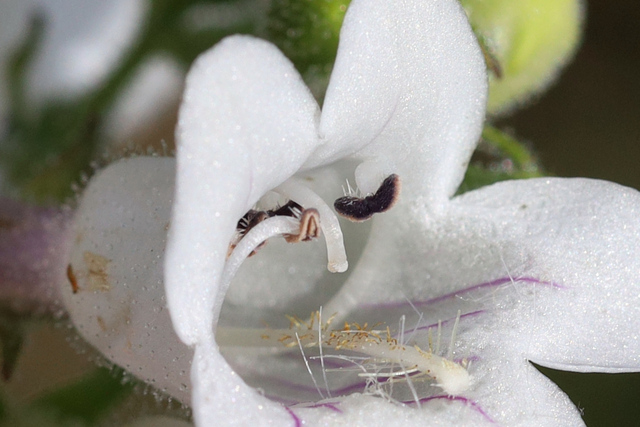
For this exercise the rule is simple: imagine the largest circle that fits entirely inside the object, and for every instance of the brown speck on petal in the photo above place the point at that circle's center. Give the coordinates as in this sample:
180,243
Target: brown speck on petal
97,277
101,323
72,279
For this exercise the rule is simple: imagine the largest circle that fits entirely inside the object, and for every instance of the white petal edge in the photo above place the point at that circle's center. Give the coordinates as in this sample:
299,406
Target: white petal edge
247,123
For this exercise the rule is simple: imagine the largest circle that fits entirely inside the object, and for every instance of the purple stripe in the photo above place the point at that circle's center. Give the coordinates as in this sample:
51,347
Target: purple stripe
328,405
473,404
494,283
332,406
296,420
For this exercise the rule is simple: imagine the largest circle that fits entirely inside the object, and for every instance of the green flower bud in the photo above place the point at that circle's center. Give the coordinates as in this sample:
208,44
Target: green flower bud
528,41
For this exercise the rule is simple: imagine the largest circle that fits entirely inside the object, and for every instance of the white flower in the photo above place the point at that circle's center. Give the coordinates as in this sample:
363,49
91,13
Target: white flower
543,270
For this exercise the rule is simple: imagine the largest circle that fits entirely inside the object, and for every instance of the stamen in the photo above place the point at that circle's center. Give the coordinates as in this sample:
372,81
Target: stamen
324,370
291,208
392,374
414,393
245,224
309,224
452,377
359,209
270,227
309,227
337,257
250,220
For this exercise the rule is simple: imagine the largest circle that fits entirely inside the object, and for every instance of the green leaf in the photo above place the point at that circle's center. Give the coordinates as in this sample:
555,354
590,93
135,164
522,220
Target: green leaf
87,400
11,337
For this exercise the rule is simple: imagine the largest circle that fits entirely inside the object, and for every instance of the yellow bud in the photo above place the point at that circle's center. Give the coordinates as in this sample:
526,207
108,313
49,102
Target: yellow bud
532,40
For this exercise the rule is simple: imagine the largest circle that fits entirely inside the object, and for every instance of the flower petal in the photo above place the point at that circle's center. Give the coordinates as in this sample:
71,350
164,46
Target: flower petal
117,302
505,385
407,93
246,124
513,392
585,236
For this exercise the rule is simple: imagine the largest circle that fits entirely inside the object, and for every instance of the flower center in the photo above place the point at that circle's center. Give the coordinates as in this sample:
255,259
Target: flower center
318,215
380,357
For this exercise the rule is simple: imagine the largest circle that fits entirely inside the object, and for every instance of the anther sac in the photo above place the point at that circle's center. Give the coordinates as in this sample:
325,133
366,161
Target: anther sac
361,209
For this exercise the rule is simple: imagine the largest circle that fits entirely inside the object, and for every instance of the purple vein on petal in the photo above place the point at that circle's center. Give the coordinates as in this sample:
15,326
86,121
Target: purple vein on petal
329,405
491,284
296,420
471,403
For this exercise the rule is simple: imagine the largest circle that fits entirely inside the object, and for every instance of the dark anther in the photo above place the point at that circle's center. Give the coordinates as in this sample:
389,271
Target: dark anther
361,209
250,220
291,208
309,223
253,217
309,227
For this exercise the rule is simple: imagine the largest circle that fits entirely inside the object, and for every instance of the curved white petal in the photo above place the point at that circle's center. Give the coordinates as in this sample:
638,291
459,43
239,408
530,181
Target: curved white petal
407,94
246,124
506,389
583,235
513,392
116,263
359,410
